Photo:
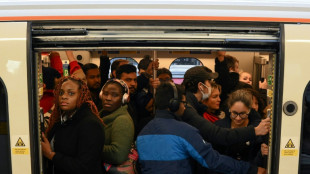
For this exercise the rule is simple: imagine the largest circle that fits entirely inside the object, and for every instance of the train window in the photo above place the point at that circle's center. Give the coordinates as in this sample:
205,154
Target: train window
131,61
5,157
180,65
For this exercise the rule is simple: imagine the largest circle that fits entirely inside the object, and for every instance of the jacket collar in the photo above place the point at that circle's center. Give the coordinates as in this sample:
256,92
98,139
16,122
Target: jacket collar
192,100
112,116
166,114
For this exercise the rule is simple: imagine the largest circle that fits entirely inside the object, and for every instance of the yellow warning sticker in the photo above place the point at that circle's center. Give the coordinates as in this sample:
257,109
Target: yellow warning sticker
289,144
289,149
289,152
21,145
20,151
20,142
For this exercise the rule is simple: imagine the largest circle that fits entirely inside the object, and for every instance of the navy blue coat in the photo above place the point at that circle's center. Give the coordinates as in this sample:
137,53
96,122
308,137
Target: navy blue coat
167,145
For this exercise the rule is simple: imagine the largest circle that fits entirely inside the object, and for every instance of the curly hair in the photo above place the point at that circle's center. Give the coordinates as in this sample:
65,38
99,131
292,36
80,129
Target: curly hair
84,97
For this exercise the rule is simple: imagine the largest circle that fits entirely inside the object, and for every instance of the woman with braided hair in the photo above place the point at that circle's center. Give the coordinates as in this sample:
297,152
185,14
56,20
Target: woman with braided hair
75,135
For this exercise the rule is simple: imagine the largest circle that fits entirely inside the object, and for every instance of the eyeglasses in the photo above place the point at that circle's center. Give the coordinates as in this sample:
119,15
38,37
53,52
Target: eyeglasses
242,115
184,102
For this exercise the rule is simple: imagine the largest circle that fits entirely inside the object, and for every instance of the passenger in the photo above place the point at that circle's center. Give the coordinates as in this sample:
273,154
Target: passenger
144,63
119,129
228,69
75,67
197,86
56,63
50,78
257,102
164,75
146,70
93,82
305,146
117,63
168,145
128,73
213,112
75,133
104,67
245,77
241,115
145,89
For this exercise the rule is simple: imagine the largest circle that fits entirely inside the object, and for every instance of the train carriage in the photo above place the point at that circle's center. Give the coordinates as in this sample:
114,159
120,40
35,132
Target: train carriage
270,39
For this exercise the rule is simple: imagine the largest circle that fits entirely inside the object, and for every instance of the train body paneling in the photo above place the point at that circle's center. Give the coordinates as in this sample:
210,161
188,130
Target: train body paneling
250,10
14,73
295,80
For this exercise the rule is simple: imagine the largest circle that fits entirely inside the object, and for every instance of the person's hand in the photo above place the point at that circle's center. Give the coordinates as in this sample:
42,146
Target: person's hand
70,56
261,170
154,83
263,85
156,64
263,127
149,106
264,149
152,66
46,148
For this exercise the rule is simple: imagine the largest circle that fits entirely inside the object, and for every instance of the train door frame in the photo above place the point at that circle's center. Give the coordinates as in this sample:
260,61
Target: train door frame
278,81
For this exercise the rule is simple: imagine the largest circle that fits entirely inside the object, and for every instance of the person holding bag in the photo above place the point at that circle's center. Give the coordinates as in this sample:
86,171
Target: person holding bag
119,154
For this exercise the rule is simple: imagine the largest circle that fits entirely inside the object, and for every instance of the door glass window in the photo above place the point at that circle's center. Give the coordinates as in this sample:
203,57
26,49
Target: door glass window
180,65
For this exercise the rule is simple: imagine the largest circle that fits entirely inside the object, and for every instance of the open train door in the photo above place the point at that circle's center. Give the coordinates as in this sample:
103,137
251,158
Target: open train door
296,73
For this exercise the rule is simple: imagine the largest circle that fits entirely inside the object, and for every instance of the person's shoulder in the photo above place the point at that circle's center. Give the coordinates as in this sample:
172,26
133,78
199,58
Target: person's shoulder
223,122
124,119
182,129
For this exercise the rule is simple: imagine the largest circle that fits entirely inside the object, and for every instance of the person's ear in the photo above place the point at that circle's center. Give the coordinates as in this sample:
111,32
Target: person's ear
200,87
114,73
231,69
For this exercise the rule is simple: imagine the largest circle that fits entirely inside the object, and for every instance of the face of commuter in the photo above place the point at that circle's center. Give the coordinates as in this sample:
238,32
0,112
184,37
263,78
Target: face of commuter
131,80
246,78
68,96
254,103
236,68
164,78
213,102
181,109
221,53
204,89
239,114
93,79
111,97
120,64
